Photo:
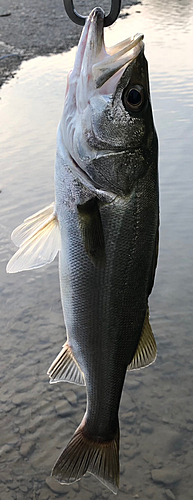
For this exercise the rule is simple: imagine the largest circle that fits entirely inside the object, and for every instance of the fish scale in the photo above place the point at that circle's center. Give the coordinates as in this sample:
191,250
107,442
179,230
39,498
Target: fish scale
105,225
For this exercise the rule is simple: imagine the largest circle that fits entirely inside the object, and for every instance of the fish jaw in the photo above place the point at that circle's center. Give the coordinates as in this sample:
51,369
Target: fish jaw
90,50
95,64
96,73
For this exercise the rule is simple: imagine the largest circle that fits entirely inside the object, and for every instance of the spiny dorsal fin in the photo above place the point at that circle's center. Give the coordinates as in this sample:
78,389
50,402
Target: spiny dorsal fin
146,351
38,239
92,231
65,368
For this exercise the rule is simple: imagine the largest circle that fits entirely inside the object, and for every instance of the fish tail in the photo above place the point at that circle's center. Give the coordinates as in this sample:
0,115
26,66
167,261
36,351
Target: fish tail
83,454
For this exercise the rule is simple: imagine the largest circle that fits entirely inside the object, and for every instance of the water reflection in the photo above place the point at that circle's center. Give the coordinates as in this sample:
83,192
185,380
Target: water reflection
171,12
156,408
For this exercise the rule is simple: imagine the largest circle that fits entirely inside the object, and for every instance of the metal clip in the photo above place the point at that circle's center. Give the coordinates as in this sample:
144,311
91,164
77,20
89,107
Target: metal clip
78,19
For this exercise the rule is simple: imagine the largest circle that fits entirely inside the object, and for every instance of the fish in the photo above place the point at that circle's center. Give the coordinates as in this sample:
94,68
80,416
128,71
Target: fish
105,225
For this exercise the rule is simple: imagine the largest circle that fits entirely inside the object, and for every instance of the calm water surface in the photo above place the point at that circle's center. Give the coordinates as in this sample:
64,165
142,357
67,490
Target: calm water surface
156,415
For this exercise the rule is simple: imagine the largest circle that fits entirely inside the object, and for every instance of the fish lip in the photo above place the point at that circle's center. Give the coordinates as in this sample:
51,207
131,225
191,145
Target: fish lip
97,15
95,18
94,30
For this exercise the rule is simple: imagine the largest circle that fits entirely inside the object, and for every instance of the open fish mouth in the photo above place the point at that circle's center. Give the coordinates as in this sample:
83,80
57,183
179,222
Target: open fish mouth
116,58
95,63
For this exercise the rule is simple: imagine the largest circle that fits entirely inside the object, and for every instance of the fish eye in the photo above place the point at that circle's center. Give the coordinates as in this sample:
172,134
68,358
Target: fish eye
133,98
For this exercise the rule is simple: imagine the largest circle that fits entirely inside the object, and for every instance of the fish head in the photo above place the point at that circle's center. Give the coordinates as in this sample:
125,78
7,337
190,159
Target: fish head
107,125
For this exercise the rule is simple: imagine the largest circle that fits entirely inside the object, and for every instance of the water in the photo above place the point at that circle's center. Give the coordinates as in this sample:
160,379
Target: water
156,418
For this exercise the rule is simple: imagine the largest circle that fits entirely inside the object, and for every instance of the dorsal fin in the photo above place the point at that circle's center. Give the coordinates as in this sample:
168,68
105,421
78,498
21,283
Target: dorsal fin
146,351
92,231
38,239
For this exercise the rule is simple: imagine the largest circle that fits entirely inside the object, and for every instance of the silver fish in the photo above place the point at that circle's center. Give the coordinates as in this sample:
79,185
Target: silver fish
105,224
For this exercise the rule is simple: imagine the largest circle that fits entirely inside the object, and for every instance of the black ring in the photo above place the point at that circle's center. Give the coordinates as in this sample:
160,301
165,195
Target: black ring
78,19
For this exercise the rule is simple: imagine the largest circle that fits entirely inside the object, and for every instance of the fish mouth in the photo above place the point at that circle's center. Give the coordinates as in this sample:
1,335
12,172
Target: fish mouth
96,63
116,59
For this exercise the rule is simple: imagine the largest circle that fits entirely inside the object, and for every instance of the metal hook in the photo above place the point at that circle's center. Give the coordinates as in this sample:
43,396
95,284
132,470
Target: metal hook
78,19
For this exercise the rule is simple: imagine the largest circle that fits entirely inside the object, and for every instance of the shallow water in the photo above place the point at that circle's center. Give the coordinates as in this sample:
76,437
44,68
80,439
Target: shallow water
156,417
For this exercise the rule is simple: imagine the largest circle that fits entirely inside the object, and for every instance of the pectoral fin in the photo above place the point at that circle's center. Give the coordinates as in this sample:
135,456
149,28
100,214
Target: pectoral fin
38,239
92,231
146,351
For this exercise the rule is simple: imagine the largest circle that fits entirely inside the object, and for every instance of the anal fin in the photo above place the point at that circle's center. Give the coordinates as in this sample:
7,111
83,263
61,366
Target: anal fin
146,351
65,368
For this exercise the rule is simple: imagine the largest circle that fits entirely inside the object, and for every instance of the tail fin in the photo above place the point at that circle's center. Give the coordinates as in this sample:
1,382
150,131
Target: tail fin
82,455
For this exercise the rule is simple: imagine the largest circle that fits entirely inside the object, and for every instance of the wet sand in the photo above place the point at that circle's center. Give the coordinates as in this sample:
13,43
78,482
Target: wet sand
28,29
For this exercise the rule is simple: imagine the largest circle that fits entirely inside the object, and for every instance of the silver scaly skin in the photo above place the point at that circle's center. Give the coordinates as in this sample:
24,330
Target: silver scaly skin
106,211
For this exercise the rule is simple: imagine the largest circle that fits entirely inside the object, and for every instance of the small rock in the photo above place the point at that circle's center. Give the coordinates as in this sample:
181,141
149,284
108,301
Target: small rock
122,469
129,417
18,399
14,495
5,449
105,494
55,486
76,487
33,426
98,492
131,453
150,492
134,384
166,476
62,409
127,488
6,495
13,485
27,448
190,420
5,14
169,368
19,326
71,397
23,488
44,494
174,441
189,427
5,397
169,494
167,419
156,462
71,494
22,430
182,497
145,427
